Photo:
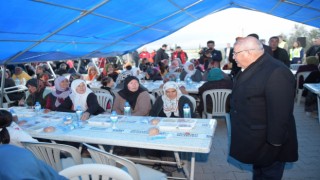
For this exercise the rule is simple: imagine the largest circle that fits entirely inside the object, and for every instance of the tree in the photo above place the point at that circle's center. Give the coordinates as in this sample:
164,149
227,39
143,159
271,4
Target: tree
300,31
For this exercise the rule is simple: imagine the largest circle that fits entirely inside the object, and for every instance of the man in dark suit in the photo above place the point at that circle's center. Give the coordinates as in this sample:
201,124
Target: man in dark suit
279,53
263,131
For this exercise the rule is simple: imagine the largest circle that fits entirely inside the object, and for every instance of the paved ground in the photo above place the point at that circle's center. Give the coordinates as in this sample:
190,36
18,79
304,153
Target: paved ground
220,166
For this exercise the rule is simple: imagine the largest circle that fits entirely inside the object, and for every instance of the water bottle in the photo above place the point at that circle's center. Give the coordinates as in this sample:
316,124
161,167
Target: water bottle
188,81
186,111
37,108
79,115
17,81
24,81
178,80
114,119
127,109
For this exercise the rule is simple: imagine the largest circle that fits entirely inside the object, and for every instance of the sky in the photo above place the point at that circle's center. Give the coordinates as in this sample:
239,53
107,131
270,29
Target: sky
224,26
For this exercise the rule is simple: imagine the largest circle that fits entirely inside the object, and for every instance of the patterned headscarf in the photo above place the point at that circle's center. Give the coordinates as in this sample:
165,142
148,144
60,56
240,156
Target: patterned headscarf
186,68
171,105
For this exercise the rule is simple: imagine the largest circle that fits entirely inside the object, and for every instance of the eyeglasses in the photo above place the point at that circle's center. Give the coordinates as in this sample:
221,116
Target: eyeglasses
236,53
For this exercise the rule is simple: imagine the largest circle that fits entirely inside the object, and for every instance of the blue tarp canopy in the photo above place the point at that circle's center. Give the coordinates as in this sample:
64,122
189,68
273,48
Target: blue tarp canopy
39,30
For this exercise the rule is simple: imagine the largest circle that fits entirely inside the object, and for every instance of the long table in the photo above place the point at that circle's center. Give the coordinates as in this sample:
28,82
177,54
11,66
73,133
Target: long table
128,132
314,88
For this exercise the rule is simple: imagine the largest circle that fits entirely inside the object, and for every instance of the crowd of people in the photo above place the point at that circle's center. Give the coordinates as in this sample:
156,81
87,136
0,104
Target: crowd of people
248,60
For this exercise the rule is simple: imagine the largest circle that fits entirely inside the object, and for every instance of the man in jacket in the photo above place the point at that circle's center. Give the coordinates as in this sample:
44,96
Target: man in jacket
179,53
263,131
279,53
161,54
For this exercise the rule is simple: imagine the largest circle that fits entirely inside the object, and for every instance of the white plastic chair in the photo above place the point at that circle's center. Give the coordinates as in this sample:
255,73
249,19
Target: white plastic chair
219,99
193,101
99,90
157,92
153,99
95,172
299,91
50,153
103,99
137,171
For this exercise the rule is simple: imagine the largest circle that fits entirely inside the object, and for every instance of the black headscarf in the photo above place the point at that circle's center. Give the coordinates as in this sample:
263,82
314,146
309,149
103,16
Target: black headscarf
128,95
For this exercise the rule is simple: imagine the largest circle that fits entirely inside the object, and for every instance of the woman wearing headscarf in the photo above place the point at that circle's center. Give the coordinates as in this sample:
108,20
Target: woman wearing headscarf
81,97
171,103
36,93
92,73
57,97
189,71
216,80
137,96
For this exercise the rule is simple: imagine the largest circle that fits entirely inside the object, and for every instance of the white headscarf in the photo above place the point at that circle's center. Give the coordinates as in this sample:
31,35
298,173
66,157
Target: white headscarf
171,105
186,68
79,99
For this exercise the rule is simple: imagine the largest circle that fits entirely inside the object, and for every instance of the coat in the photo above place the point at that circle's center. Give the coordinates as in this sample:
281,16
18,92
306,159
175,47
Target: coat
261,114
93,106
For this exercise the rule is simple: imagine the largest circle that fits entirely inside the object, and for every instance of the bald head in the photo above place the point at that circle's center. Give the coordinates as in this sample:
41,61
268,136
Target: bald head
247,51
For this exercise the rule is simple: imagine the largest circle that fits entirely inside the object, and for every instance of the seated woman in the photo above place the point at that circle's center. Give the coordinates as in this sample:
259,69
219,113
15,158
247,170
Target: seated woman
9,82
54,99
108,71
171,103
311,105
216,80
153,74
92,73
137,96
36,93
81,97
44,77
74,76
312,65
10,132
189,71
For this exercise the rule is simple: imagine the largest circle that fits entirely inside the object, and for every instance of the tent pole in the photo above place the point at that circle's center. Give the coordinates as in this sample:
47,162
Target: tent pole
3,68
54,74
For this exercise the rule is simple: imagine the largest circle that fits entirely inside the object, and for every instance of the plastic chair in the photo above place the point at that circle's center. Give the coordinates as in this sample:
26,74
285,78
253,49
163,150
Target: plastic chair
98,90
295,66
50,153
193,101
157,92
153,99
219,99
299,91
95,172
103,99
137,171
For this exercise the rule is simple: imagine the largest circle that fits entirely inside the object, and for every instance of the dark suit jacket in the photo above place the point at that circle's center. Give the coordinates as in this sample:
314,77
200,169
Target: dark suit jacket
282,55
262,114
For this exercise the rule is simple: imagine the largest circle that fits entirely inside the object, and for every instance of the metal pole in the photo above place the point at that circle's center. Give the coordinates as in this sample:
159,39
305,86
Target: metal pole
54,74
2,84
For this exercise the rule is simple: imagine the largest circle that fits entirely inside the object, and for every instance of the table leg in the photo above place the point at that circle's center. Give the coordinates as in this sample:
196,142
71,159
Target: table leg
318,107
193,161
